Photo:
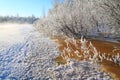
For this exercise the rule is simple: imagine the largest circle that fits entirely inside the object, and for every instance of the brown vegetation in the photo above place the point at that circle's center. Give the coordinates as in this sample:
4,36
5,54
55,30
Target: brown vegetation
104,52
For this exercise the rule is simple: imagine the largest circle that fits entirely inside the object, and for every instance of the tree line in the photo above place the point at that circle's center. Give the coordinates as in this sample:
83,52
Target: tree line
17,19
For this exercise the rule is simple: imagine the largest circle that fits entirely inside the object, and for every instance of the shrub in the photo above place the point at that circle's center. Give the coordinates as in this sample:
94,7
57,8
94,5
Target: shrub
82,17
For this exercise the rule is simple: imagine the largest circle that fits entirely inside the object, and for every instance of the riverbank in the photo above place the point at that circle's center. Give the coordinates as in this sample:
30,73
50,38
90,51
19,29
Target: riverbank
34,58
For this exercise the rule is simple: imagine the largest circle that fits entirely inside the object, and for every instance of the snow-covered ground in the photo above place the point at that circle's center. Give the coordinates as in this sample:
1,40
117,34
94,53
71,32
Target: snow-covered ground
31,57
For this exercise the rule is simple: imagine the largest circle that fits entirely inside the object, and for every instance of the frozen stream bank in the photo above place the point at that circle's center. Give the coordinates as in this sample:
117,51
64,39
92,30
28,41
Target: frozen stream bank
26,54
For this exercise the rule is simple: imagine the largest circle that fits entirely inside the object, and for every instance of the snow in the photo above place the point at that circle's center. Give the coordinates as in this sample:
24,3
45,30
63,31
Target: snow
33,59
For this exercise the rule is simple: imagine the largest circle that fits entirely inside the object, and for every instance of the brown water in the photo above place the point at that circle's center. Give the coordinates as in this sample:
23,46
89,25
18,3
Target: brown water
110,48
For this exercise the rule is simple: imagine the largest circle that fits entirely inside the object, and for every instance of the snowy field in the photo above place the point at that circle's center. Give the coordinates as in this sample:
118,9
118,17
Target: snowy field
26,54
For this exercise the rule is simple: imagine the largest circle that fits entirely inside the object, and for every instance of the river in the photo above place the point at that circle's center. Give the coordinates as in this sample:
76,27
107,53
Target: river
26,54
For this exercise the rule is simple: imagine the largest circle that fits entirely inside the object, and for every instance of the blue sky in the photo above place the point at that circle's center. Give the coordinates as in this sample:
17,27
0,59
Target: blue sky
24,7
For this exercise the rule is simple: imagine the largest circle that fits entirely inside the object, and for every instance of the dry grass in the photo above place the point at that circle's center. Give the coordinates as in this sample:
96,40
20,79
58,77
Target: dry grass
103,52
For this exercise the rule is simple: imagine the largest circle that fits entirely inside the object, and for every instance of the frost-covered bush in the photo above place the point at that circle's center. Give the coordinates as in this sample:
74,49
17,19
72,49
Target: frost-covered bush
82,17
